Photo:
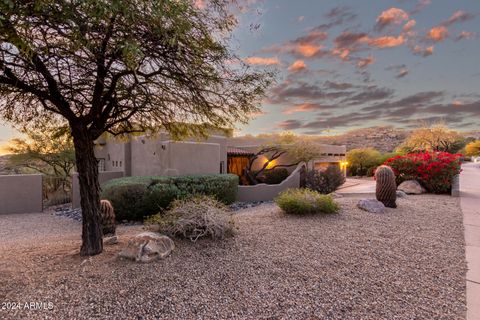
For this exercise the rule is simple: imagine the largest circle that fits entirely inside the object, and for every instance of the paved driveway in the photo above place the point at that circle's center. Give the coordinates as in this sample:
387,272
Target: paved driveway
470,204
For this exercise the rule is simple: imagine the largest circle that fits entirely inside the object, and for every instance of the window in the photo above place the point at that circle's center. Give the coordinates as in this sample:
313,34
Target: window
120,163
222,166
101,165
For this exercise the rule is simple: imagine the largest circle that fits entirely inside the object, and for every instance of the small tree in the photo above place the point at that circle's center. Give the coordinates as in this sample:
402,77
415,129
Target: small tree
298,149
435,137
361,159
120,66
473,149
48,151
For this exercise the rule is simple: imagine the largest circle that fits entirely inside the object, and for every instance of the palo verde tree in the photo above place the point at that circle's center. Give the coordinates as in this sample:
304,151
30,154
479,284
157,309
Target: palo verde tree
120,66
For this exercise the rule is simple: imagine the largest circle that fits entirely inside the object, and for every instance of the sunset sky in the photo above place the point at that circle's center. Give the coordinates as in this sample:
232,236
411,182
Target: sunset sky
349,64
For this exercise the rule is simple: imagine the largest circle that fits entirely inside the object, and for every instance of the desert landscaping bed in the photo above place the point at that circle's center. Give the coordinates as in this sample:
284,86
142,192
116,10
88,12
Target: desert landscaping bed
405,264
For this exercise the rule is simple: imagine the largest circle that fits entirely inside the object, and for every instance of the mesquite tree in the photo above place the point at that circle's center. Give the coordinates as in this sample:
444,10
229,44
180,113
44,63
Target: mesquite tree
120,66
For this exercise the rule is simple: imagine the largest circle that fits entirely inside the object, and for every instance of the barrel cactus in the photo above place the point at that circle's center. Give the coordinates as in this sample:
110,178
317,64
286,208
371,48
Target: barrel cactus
386,190
107,218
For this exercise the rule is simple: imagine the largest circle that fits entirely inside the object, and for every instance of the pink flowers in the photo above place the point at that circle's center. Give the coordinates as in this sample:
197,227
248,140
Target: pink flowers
434,170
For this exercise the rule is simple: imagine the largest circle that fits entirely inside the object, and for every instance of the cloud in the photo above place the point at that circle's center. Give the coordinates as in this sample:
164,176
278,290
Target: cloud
289,91
402,73
306,46
296,66
338,85
290,124
422,51
350,40
336,17
422,4
438,34
387,41
364,62
458,17
369,94
409,25
400,70
265,61
305,107
466,35
392,16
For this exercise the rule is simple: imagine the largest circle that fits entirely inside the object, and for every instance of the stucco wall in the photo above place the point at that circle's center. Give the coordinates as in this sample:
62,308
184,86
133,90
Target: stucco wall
21,193
102,177
267,192
113,152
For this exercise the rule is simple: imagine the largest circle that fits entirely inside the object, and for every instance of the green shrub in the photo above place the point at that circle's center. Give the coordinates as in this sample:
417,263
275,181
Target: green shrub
305,201
134,198
194,218
325,181
276,176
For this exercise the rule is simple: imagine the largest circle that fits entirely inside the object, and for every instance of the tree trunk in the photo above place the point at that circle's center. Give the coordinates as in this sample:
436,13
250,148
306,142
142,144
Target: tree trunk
92,242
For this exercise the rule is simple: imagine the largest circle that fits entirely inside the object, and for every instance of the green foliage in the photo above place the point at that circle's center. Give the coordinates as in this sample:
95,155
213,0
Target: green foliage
194,218
473,149
431,138
325,181
137,197
276,176
305,201
49,151
359,160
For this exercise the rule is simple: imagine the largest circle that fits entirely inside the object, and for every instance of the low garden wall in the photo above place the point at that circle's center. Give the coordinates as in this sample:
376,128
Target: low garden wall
103,177
267,192
21,193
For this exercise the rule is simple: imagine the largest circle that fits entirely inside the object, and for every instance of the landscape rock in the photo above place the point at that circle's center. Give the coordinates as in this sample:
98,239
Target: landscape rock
411,187
401,194
147,247
335,195
371,205
110,240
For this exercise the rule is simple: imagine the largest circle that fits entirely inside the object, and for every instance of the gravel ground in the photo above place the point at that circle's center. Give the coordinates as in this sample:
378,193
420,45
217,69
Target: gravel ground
408,263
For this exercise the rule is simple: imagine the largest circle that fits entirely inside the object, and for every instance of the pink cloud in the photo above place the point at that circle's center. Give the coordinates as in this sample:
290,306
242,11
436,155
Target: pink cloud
298,65
303,107
438,34
387,41
391,16
457,17
262,61
424,52
307,49
466,35
343,54
364,62
420,6
409,25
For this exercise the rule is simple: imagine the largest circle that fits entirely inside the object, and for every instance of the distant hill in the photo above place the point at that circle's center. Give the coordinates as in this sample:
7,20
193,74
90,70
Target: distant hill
385,139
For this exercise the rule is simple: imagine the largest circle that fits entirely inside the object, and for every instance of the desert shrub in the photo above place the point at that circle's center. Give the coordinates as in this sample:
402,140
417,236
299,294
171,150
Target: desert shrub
434,170
194,218
325,181
473,149
276,176
134,198
305,201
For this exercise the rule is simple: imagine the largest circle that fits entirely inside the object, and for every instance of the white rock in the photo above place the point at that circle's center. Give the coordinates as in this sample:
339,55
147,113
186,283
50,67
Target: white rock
371,205
110,240
147,247
401,194
411,187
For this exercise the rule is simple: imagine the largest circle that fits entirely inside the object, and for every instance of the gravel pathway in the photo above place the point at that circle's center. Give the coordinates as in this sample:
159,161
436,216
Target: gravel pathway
406,264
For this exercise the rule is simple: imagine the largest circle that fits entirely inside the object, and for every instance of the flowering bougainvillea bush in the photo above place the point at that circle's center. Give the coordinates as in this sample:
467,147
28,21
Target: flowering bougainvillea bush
434,170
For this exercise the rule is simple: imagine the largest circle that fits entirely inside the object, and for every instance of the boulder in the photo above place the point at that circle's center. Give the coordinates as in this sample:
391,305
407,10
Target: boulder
411,187
401,194
147,247
371,205
110,240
